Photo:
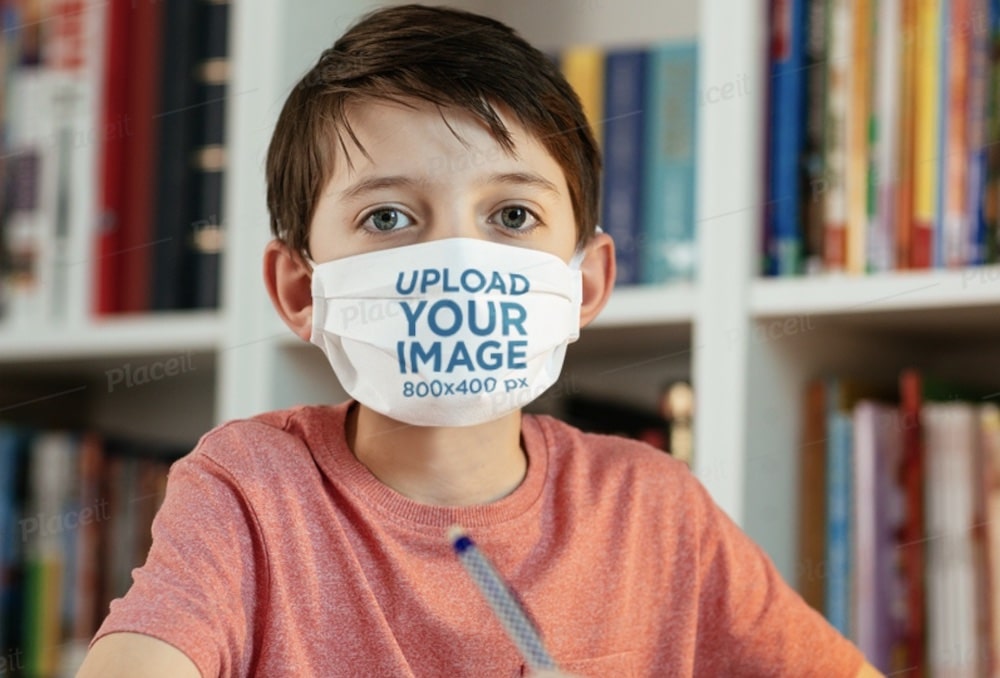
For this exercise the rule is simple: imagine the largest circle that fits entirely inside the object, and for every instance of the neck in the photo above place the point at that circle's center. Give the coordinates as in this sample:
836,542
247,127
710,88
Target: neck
453,466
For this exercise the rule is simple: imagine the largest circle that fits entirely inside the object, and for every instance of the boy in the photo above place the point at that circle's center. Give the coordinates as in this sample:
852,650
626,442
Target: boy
432,185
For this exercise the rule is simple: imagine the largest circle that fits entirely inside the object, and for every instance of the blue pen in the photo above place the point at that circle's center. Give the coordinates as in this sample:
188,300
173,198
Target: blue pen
512,617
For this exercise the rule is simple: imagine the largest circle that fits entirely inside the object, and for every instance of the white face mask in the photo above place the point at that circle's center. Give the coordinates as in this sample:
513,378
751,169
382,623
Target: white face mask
452,332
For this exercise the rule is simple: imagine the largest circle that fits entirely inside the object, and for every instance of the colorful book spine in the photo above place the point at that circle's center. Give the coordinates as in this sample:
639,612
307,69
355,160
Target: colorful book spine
170,268
952,641
145,53
839,556
817,44
991,197
668,253
925,149
812,498
859,112
903,220
864,610
787,134
583,68
207,235
886,134
118,127
835,203
952,225
973,239
624,146
912,470
989,450
877,515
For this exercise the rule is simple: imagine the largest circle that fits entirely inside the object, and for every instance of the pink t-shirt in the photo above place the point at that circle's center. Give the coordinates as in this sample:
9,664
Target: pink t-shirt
277,553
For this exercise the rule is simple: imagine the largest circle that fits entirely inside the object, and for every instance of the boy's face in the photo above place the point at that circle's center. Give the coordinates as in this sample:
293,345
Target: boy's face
423,183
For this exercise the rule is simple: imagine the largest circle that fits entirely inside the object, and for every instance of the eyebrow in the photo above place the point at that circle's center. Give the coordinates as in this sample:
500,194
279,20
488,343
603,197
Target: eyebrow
529,179
372,184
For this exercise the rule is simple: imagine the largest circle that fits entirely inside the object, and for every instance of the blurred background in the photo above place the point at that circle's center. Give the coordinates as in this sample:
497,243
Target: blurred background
803,195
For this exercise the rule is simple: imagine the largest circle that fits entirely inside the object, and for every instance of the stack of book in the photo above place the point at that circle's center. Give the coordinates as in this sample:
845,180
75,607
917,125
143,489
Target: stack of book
642,105
884,118
113,156
900,523
75,515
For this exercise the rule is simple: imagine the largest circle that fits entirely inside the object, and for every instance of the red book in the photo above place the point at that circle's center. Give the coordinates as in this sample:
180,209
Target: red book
912,539
904,195
137,246
116,128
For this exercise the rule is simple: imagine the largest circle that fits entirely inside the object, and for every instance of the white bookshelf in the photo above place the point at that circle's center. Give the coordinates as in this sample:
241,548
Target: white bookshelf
133,335
749,345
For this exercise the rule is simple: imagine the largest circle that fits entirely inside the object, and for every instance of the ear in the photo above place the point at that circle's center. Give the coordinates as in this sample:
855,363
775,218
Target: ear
598,269
289,283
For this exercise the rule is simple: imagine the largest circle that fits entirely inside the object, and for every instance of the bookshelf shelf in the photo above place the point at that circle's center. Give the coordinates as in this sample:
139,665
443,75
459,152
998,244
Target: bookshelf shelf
167,333
639,306
924,291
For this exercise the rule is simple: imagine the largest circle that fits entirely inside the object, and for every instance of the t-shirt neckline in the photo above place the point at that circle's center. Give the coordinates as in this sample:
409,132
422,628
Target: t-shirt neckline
340,464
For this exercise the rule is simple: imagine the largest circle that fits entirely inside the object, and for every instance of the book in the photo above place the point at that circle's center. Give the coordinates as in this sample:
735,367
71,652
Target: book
178,128
29,224
952,640
835,146
972,248
811,569
117,131
839,552
583,68
953,210
911,398
74,55
858,126
881,245
877,516
786,134
988,520
925,132
207,234
813,152
622,205
13,454
903,217
668,229
143,105
991,142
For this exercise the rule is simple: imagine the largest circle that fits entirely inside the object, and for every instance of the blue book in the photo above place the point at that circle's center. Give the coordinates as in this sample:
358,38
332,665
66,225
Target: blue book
13,446
786,137
624,127
668,235
979,120
838,510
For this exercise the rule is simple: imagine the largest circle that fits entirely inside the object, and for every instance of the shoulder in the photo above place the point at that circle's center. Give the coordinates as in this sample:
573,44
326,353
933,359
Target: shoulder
606,462
269,445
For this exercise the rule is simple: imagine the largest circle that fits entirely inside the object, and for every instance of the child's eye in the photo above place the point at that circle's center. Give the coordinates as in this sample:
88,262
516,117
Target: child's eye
386,219
515,218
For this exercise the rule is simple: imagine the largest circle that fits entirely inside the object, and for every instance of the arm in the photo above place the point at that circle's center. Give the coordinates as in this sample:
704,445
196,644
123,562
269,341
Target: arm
192,605
133,655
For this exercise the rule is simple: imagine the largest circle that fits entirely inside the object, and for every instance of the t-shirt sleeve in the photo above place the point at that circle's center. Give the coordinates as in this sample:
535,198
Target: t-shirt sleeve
201,581
751,622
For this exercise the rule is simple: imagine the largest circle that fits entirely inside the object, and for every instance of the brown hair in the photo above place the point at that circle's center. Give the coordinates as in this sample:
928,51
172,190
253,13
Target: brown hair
448,57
